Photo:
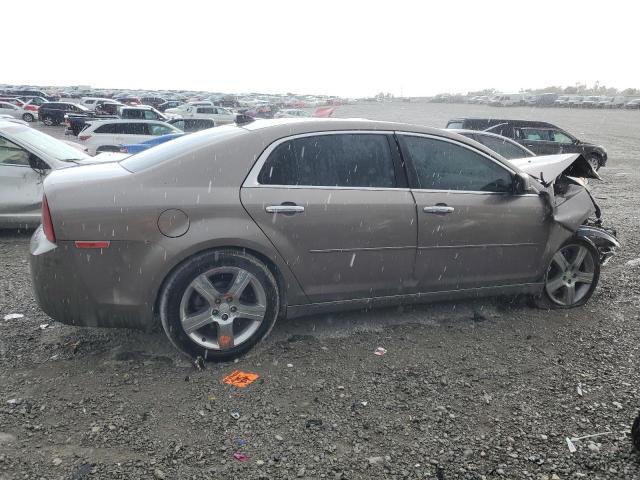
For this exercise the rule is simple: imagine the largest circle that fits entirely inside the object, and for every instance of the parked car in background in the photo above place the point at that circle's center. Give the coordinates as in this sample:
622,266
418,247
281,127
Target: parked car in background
152,101
575,101
92,102
140,147
20,92
542,138
107,135
37,101
227,235
169,104
220,115
503,146
189,125
7,108
26,157
292,113
507,99
140,112
561,101
611,102
633,104
52,113
591,101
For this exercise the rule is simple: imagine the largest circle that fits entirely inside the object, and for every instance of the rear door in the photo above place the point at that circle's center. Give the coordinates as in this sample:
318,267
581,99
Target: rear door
336,207
134,132
472,231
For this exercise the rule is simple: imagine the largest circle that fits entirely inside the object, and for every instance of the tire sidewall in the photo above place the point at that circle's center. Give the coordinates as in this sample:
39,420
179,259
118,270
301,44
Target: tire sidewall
27,117
548,302
180,279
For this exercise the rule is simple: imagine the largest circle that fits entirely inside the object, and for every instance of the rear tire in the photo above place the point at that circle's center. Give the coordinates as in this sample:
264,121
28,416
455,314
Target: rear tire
28,117
571,277
219,304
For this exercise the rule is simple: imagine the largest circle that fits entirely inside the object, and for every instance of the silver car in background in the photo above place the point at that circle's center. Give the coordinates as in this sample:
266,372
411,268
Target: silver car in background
216,234
26,157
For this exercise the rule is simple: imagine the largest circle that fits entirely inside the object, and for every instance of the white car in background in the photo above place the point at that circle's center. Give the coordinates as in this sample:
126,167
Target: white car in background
108,135
92,102
219,115
26,157
15,111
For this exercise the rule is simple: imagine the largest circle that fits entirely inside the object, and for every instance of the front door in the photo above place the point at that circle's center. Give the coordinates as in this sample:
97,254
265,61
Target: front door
20,185
337,209
473,232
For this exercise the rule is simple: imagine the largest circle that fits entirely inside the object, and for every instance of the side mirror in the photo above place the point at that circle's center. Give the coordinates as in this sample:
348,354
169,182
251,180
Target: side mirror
38,165
521,184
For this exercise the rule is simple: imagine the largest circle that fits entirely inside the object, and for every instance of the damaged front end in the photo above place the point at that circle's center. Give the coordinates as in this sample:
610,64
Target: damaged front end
564,184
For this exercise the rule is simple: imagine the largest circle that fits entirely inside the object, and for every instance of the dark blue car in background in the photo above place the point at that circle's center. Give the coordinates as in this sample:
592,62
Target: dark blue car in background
139,147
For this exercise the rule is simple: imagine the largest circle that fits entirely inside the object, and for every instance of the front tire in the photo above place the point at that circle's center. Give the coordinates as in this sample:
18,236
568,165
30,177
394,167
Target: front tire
27,117
219,304
48,121
571,277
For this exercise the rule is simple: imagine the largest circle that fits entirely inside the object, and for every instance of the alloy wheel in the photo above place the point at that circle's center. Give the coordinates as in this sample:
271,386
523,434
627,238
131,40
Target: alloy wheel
570,275
223,307
48,121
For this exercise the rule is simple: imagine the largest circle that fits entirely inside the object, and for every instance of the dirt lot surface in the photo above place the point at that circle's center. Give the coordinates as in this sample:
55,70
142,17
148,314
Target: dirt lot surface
471,390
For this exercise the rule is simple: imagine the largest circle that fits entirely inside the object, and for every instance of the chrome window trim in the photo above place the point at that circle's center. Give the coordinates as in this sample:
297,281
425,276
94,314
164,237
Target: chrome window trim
252,179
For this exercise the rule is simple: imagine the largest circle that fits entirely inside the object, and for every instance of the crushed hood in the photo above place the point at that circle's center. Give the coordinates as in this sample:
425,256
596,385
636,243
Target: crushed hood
549,167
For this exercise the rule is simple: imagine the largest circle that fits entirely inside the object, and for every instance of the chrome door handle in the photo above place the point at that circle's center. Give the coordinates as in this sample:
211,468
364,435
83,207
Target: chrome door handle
438,209
284,209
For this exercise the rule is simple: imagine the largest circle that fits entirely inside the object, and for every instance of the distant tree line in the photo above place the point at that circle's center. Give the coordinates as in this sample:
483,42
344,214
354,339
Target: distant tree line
577,89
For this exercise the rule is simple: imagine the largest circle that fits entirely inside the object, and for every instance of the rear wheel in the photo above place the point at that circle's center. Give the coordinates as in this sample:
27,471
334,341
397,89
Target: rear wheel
28,117
572,276
219,304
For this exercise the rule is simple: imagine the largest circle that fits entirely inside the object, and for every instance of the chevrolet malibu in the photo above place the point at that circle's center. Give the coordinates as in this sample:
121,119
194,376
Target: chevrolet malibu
215,235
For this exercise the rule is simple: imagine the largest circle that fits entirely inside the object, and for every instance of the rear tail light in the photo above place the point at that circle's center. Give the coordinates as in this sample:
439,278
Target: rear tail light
84,137
47,224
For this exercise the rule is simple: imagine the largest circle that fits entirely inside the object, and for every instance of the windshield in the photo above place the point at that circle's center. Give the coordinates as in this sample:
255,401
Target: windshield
46,144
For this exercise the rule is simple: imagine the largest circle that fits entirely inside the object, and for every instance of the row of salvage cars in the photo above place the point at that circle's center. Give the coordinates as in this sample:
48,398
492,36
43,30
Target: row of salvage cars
216,234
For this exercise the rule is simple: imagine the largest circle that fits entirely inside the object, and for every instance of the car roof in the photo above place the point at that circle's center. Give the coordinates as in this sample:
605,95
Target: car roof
496,121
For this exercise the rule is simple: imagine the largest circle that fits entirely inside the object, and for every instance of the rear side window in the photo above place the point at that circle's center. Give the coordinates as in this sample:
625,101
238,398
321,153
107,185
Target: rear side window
441,165
206,110
108,128
338,160
134,129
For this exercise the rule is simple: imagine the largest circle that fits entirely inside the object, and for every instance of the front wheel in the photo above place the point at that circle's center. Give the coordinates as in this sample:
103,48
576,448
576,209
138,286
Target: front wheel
48,120
28,117
571,277
219,304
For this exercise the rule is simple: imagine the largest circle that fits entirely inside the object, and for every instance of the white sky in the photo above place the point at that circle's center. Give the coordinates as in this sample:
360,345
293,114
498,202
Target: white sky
348,48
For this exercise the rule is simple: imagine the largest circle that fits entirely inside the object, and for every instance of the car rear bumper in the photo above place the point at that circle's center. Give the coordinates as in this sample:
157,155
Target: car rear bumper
90,287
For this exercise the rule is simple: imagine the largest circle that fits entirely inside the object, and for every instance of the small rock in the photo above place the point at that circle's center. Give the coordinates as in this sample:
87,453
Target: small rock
467,453
259,463
301,472
618,405
555,477
279,438
57,461
544,437
159,474
375,460
289,365
593,447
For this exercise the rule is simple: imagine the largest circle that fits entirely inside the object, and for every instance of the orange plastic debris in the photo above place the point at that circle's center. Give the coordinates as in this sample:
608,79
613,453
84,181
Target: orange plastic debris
240,379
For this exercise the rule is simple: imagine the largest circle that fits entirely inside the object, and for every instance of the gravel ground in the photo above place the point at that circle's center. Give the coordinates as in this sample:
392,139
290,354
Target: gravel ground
471,390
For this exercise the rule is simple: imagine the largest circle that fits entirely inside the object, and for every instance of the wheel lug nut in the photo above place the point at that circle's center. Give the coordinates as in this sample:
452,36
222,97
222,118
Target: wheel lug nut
218,300
215,312
225,316
229,299
233,309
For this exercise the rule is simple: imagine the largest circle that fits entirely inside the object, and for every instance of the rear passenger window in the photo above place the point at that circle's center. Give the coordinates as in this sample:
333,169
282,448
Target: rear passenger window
338,160
134,129
441,165
108,128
